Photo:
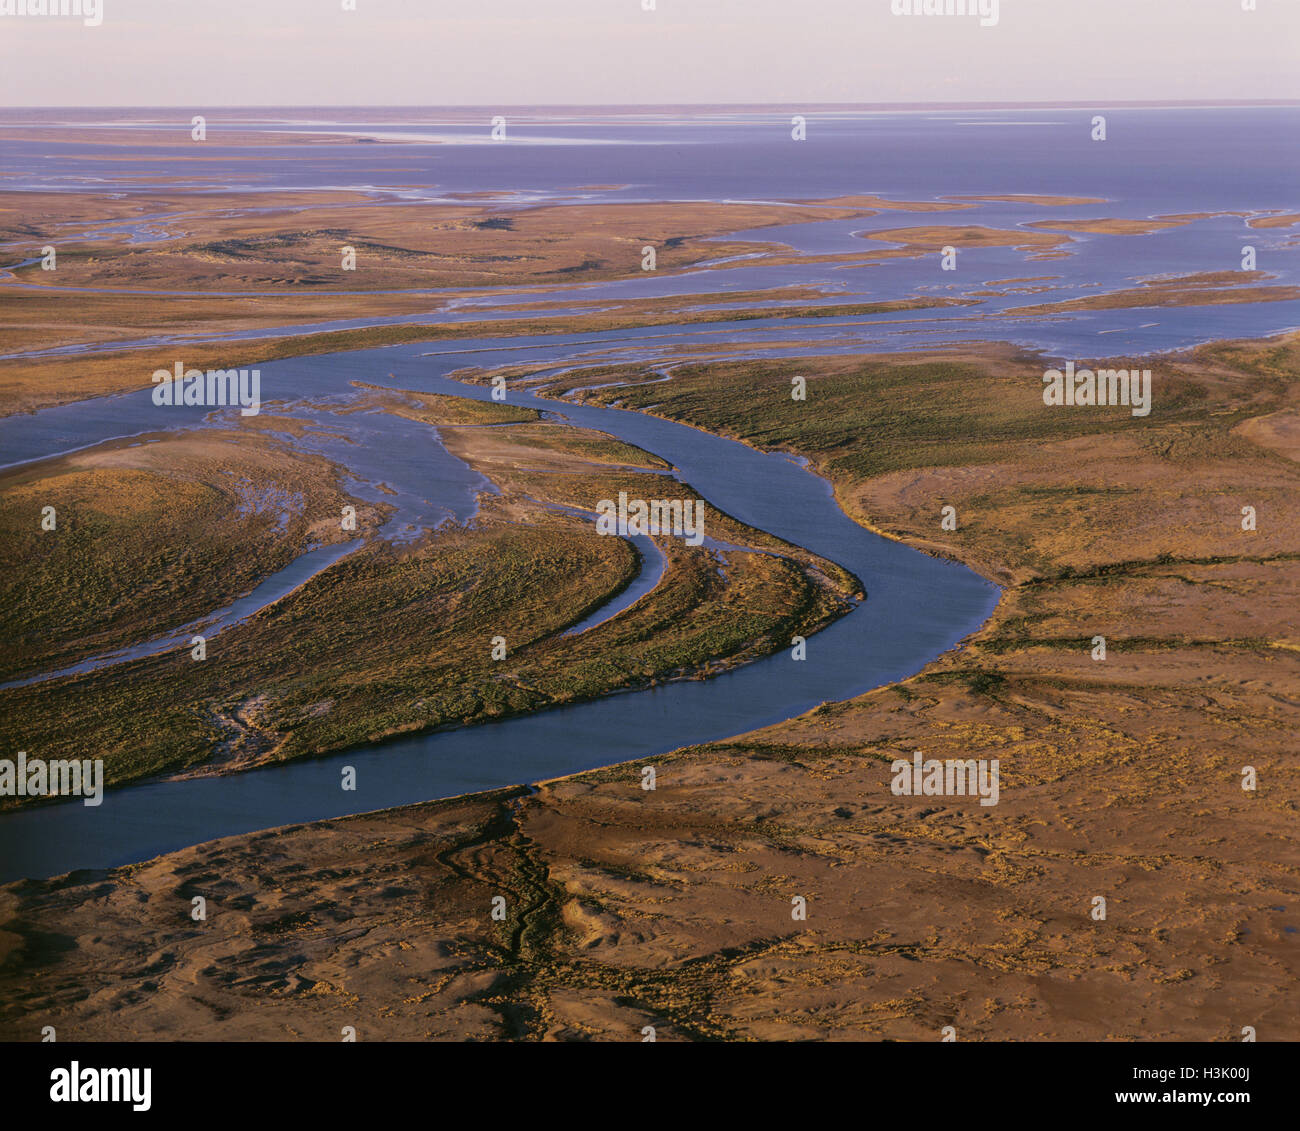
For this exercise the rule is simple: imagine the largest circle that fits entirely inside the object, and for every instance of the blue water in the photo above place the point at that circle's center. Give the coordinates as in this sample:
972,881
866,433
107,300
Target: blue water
916,608
1156,162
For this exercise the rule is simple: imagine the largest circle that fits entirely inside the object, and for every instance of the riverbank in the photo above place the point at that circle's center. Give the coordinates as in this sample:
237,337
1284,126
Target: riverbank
302,676
1121,778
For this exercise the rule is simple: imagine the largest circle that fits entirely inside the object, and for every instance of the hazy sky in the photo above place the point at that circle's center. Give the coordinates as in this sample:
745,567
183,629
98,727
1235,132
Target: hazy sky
195,53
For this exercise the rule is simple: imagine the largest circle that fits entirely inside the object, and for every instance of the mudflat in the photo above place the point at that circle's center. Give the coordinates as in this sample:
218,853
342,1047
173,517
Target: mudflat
626,907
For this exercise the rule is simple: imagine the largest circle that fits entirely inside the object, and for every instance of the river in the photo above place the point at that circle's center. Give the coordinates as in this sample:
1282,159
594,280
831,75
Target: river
917,607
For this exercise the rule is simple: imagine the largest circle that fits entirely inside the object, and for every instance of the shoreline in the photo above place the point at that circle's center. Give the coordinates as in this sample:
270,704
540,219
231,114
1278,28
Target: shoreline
815,483
597,847
1096,606
929,548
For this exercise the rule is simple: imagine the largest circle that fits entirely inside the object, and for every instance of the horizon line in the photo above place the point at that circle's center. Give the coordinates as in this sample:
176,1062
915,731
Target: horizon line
965,104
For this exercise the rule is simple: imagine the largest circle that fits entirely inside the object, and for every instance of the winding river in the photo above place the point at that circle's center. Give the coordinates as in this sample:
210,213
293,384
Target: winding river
917,607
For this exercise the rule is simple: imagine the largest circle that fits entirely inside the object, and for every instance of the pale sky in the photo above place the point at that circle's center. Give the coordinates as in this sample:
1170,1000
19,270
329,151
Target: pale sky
612,52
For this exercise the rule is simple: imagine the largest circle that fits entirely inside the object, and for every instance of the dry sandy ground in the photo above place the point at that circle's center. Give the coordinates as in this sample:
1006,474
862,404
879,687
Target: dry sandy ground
672,908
